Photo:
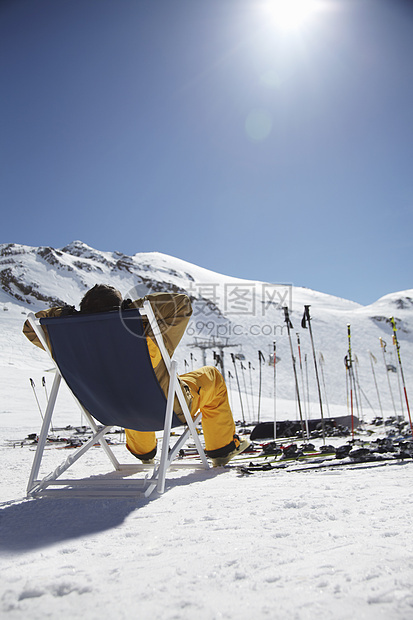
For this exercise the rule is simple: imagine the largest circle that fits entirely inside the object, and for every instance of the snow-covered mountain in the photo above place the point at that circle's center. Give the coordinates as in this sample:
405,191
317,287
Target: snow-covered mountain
231,316
56,554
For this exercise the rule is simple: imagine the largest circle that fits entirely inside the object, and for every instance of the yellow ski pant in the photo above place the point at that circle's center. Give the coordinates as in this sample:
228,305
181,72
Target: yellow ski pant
210,396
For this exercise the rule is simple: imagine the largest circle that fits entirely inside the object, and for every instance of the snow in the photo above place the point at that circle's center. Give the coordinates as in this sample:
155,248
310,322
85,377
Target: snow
331,543
215,545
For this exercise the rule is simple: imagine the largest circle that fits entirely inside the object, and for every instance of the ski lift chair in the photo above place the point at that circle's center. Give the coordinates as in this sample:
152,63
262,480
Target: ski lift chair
105,362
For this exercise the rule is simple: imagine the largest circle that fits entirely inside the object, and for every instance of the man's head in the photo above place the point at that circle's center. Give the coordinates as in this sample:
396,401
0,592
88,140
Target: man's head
101,298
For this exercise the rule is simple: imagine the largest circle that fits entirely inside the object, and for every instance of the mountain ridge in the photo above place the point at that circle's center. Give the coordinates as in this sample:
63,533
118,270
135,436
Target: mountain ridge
246,316
92,262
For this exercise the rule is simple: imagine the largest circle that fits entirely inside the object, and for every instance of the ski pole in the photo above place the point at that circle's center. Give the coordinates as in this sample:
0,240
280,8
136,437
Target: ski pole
297,390
347,383
230,376
239,389
275,390
358,393
260,359
230,387
47,399
354,396
252,392
45,388
373,359
362,392
393,322
302,383
351,379
307,387
220,357
398,379
383,345
321,358
246,392
307,319
32,383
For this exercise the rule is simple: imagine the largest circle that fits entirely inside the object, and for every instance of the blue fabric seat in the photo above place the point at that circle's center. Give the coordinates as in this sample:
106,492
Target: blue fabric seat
105,361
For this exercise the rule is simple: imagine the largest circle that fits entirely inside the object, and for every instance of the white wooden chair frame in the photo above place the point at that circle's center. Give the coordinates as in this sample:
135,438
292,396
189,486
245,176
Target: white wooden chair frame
114,486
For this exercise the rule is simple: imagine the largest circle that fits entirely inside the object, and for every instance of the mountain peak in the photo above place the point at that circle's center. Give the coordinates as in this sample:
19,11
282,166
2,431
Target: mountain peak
77,248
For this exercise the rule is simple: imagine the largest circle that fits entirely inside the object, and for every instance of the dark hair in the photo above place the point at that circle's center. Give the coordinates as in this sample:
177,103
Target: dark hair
101,298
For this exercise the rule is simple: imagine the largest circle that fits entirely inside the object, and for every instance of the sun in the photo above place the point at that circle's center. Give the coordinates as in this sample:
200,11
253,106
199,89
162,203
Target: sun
291,14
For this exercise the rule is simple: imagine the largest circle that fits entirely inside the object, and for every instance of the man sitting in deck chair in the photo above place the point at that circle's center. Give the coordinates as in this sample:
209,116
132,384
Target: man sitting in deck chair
204,389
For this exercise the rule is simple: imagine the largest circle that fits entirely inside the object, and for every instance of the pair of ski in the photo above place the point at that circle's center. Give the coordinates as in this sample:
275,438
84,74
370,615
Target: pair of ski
257,457
302,460
321,463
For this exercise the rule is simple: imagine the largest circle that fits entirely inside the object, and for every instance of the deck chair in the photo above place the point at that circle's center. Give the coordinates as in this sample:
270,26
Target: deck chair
105,362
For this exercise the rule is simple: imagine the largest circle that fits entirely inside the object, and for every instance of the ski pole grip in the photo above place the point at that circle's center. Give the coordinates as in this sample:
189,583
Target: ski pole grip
287,318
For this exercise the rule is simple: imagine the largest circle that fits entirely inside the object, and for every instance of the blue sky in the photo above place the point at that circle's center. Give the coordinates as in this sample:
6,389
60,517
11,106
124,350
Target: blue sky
209,131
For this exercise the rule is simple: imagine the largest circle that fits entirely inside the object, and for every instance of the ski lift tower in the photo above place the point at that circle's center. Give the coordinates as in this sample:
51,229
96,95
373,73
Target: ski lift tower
213,343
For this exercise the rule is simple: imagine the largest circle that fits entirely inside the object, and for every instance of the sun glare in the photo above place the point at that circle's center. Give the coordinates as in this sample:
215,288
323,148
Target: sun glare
291,14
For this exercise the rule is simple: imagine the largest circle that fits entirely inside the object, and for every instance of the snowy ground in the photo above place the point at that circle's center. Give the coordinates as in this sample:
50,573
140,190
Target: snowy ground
329,544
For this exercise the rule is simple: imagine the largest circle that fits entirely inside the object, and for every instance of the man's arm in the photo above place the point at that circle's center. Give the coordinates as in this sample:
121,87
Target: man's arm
28,330
172,311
